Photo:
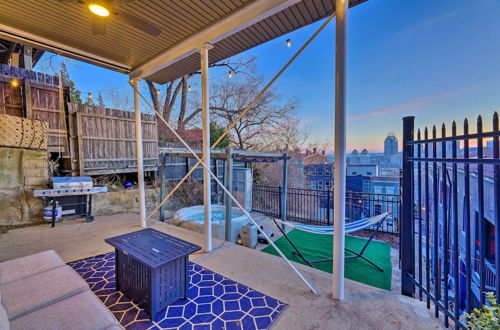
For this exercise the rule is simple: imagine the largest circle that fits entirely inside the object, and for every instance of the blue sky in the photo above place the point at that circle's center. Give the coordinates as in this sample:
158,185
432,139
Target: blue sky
437,60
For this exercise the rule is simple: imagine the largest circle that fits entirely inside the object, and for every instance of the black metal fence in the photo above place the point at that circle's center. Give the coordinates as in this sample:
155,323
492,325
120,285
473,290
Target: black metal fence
316,206
450,243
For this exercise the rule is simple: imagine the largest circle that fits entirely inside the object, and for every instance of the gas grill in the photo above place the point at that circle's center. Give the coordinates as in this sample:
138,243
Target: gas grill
73,194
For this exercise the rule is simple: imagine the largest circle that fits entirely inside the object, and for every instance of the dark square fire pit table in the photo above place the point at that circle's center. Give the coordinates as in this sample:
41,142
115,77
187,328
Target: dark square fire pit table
151,268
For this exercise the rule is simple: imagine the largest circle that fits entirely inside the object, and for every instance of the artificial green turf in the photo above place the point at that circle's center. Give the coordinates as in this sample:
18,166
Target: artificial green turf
315,246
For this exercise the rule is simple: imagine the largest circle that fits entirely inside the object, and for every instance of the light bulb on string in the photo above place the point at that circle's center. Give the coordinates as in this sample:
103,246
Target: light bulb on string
288,43
14,83
189,88
89,96
230,74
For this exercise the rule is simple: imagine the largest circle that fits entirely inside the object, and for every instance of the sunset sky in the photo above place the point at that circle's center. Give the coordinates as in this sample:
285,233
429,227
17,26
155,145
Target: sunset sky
437,60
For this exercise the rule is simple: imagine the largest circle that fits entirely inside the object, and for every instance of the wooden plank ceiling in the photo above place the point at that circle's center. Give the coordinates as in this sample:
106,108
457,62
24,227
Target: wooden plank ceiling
68,22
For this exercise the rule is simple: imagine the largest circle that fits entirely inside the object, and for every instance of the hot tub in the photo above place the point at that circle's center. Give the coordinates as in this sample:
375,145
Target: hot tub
193,217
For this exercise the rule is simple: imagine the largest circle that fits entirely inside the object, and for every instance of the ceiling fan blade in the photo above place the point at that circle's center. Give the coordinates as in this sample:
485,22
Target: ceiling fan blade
138,23
98,25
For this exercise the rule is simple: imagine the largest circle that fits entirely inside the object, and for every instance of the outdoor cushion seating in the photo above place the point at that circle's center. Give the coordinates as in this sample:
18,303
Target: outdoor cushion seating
32,293
19,268
4,319
41,292
81,311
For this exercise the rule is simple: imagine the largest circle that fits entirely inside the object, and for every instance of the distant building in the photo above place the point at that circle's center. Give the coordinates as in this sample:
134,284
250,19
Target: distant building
390,145
319,176
362,169
314,158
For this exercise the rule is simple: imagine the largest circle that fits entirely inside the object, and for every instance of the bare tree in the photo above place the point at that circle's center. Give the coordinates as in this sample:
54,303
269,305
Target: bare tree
119,99
229,98
177,108
289,135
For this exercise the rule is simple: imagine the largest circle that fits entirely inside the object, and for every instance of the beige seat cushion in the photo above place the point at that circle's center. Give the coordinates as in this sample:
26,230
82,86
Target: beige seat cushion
83,311
32,293
4,319
16,269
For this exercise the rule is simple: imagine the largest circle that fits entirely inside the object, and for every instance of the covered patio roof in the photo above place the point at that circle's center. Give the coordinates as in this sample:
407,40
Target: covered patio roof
231,26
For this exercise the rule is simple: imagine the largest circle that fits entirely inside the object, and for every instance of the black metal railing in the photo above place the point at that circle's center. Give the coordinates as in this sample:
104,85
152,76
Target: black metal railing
449,239
314,206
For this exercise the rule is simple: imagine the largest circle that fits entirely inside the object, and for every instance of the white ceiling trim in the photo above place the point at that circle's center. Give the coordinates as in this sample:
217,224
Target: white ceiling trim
39,42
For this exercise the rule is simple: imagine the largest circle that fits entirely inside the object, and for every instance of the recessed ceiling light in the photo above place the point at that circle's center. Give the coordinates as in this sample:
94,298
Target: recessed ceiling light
98,9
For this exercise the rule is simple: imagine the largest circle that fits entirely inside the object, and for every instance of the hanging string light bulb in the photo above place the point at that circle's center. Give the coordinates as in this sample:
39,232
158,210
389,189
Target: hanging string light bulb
157,92
288,43
230,74
14,83
89,96
189,88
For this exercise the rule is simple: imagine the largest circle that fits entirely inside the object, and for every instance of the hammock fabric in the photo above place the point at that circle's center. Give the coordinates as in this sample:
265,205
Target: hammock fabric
350,227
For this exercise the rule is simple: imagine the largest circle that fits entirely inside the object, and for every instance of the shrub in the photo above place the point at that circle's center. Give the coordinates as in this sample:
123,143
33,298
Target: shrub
486,318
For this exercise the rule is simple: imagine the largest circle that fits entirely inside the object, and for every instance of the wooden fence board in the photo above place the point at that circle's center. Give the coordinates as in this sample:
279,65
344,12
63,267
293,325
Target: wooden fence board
41,97
106,140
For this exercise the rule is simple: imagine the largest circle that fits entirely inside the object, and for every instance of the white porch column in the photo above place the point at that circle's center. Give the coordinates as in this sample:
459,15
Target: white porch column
139,154
205,114
340,149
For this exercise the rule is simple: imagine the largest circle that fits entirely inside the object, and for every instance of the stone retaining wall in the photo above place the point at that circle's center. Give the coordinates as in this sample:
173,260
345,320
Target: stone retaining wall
21,171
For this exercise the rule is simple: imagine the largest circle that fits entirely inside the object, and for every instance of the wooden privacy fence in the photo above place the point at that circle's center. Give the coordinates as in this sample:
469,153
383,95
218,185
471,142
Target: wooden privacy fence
103,140
39,96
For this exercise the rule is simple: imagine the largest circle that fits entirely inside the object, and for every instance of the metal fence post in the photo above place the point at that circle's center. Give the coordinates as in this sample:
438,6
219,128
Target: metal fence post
406,235
163,184
329,213
228,201
280,195
284,191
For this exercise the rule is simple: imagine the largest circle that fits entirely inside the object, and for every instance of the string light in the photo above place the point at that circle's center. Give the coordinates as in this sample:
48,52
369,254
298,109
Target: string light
230,74
157,92
288,43
189,88
14,83
90,96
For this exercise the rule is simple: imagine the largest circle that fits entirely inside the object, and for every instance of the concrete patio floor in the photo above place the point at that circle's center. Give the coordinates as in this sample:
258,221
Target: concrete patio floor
365,307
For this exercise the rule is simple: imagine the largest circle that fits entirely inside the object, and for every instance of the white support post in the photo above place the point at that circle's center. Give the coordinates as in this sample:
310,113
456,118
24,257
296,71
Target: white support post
205,114
139,154
340,149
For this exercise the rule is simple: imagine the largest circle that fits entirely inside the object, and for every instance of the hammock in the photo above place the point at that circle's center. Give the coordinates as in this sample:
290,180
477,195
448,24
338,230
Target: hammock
351,227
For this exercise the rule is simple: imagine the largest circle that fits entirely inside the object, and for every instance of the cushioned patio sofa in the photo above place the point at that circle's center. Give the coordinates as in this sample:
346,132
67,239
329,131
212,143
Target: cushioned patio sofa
41,292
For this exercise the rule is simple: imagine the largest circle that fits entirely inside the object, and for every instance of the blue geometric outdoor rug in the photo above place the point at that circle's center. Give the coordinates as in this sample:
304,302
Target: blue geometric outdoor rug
214,302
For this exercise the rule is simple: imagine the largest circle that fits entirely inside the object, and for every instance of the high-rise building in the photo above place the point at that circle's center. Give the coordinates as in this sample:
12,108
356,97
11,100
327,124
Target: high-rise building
390,145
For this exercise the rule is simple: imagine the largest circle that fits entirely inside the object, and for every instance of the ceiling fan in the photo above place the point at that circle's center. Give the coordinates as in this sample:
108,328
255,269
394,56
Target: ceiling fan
102,11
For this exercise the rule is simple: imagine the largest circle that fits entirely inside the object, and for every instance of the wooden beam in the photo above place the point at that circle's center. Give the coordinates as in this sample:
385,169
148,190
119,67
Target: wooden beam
79,130
28,101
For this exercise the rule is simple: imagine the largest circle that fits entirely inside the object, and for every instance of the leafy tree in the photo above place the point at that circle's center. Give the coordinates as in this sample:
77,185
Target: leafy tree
100,100
215,133
74,93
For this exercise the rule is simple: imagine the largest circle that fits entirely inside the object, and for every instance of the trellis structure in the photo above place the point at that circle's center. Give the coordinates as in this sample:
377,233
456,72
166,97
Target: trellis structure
229,157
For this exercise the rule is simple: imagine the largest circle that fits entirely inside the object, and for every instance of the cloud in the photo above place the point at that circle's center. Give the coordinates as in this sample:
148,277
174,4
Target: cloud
432,22
404,106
